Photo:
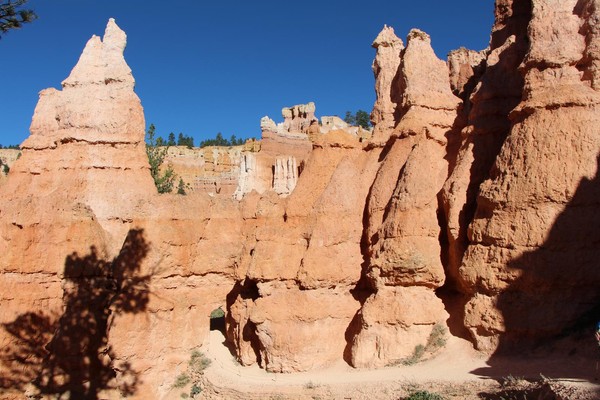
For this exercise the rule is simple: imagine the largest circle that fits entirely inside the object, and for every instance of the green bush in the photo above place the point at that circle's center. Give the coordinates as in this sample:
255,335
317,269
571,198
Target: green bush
424,395
218,313
198,361
437,338
182,380
195,390
416,355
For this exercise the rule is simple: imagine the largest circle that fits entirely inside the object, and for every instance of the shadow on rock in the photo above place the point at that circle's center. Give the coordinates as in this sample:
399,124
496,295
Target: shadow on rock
70,355
551,310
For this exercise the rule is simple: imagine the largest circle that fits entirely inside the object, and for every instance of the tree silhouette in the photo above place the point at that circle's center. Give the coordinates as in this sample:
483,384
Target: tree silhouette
12,17
70,354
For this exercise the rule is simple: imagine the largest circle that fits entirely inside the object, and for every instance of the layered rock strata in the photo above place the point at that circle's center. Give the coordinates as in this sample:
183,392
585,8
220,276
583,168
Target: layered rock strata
481,179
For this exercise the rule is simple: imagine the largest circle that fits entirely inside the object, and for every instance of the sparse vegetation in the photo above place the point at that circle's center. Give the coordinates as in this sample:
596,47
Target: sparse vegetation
424,395
510,380
164,178
310,385
195,390
437,338
435,341
181,380
196,365
198,362
416,356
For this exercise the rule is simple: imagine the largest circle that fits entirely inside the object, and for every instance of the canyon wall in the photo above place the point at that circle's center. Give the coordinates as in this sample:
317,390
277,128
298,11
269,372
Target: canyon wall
473,202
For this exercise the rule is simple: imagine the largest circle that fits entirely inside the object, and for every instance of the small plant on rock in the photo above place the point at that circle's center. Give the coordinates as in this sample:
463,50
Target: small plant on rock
435,341
416,355
198,362
437,338
181,380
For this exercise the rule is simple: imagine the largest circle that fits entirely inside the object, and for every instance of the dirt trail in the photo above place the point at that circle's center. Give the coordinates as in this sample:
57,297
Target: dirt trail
458,372
445,367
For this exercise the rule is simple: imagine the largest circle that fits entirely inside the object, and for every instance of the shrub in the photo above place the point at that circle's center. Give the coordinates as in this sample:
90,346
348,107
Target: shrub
416,355
424,395
218,313
181,380
195,390
437,338
310,385
198,361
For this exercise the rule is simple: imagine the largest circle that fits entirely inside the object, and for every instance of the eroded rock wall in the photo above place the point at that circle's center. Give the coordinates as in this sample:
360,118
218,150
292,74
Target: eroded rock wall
403,258
531,260
481,178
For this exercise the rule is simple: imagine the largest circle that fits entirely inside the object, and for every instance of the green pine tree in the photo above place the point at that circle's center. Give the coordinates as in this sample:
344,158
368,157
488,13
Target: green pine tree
181,187
163,180
12,17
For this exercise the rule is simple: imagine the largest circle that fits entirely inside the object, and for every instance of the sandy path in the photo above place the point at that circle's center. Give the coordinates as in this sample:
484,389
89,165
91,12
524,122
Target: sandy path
445,367
457,368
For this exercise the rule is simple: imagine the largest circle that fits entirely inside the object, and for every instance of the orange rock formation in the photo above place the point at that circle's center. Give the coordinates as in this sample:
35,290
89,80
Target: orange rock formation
474,202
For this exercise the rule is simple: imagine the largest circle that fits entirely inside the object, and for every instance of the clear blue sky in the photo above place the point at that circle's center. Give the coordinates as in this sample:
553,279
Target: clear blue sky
203,67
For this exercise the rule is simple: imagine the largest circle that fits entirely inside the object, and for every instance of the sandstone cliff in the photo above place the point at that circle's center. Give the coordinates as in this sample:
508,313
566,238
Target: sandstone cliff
472,206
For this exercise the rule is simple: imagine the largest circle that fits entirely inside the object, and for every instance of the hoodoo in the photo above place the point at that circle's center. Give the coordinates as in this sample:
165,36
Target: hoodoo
471,209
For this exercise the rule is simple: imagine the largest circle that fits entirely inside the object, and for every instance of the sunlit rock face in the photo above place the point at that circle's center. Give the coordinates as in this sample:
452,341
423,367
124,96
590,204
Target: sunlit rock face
99,273
403,230
480,179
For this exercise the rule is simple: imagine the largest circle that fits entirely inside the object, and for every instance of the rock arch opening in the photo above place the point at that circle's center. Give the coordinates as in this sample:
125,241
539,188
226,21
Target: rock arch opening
217,320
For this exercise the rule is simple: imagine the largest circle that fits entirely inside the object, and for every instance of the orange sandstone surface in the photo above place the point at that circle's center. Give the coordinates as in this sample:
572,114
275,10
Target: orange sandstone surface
471,207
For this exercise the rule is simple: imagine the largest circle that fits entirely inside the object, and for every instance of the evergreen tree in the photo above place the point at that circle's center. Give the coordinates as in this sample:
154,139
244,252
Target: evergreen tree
363,119
171,140
181,187
360,118
350,119
12,17
163,180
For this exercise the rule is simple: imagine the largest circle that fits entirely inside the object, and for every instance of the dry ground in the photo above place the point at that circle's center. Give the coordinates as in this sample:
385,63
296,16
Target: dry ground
458,372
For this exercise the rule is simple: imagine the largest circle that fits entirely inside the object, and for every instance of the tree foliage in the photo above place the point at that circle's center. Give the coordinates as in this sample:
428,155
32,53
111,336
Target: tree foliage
163,179
360,118
171,141
12,16
181,187
219,140
183,140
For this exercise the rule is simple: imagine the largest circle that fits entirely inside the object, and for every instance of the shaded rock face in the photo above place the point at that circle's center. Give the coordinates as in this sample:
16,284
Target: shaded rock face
529,227
481,179
490,94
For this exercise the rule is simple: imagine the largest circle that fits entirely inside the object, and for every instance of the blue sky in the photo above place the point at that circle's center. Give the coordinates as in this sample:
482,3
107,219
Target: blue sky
206,67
